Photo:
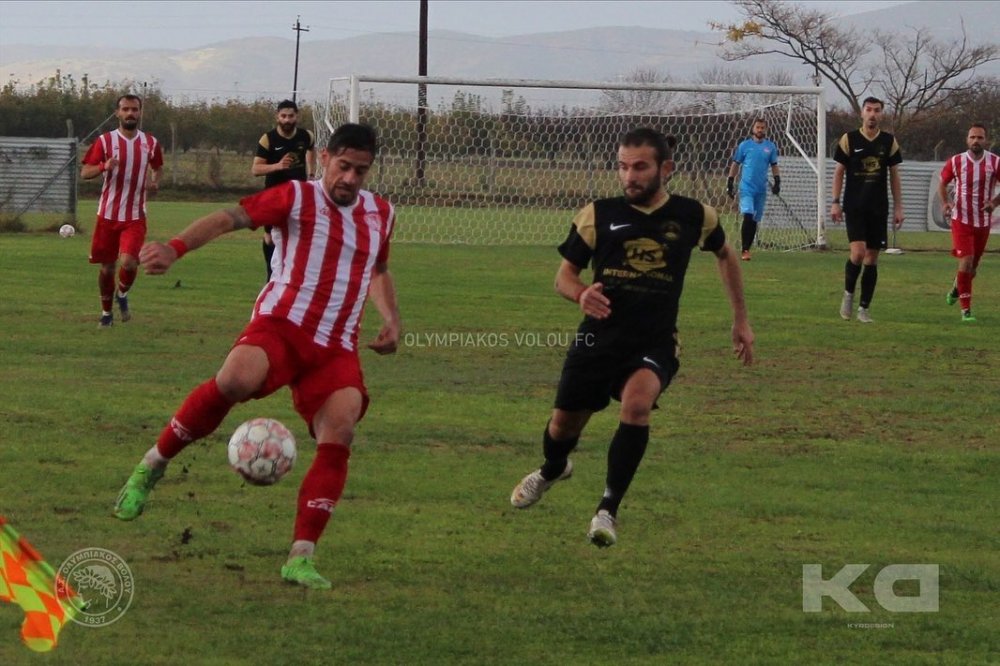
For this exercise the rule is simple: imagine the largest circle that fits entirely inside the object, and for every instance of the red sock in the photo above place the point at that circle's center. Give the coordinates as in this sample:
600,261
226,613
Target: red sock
320,491
201,413
106,283
965,290
125,279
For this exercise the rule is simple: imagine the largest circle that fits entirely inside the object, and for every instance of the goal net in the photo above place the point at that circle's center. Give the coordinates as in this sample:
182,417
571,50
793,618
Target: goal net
509,161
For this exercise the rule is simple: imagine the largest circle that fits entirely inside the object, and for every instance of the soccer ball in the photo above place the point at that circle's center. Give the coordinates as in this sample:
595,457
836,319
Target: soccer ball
262,451
66,230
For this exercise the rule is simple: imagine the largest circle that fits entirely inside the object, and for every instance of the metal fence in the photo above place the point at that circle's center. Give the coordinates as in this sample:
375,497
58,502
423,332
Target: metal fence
38,175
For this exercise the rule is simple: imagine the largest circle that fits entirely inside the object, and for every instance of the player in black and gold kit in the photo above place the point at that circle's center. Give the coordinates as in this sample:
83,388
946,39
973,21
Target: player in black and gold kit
639,246
284,153
869,158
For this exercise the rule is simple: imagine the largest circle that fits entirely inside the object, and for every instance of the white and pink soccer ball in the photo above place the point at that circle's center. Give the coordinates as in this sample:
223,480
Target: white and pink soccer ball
262,451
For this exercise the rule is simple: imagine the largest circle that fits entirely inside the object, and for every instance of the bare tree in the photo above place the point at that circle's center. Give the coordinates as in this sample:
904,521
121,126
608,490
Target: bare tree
921,74
807,35
727,101
652,102
915,73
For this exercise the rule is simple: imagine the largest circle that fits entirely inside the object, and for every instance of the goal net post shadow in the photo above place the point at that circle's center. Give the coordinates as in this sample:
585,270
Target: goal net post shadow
509,161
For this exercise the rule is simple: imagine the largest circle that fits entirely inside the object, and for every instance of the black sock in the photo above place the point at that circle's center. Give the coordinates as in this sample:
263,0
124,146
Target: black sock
624,455
749,231
556,454
868,280
851,273
268,249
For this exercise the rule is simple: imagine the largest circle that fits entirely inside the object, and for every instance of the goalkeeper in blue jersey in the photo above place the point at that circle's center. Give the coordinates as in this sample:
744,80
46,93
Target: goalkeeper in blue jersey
753,156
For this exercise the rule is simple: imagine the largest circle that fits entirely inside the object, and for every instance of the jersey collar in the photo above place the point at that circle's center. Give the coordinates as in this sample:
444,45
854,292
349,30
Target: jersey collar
662,197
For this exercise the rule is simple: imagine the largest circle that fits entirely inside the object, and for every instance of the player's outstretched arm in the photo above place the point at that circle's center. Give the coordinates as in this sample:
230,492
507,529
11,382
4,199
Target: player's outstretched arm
383,293
156,258
732,280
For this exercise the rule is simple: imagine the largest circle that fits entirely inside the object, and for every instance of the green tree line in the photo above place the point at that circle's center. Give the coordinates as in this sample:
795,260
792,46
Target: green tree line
44,108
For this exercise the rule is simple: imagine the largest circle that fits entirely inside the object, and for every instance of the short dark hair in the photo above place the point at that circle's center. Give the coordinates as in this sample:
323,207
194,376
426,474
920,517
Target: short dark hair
980,126
353,135
288,104
662,145
130,97
758,120
873,100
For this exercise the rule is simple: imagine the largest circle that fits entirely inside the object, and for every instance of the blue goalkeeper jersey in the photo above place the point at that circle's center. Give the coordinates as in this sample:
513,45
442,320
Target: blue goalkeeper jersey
755,158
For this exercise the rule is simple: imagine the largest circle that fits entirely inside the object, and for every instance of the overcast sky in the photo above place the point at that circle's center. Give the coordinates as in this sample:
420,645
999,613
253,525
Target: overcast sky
187,24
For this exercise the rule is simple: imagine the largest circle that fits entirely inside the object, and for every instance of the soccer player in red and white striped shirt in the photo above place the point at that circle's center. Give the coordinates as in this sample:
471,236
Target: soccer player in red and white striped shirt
331,253
131,162
976,173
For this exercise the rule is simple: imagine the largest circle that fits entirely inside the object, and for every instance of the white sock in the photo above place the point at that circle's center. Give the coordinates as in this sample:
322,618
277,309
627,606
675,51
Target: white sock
154,459
302,549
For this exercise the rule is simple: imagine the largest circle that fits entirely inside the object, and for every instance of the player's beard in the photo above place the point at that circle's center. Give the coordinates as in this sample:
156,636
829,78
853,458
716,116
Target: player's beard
130,123
639,194
759,136
287,128
343,196
976,149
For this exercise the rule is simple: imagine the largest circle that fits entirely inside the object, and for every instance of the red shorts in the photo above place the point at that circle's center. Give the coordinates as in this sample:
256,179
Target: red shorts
311,371
968,241
112,239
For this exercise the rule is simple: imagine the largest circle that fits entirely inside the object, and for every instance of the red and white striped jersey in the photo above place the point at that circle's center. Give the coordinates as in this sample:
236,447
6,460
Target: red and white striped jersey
974,183
324,256
123,195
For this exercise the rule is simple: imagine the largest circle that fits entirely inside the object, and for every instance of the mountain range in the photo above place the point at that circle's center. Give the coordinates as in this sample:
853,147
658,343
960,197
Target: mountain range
262,67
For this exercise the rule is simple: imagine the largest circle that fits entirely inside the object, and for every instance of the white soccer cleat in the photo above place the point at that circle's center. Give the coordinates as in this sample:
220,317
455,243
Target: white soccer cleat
864,317
602,530
533,486
847,306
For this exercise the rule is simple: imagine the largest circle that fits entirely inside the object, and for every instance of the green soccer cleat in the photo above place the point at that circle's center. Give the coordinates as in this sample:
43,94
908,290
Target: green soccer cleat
968,317
951,297
132,498
302,571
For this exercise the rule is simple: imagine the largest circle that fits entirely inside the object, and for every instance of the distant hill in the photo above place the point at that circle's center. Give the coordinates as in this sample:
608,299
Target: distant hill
258,67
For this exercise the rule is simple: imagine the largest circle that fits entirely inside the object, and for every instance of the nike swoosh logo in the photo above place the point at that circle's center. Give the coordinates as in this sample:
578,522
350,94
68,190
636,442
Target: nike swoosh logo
616,227
650,361
277,148
858,150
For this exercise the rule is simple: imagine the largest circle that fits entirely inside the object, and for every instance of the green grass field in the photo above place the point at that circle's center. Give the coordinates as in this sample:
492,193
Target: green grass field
844,444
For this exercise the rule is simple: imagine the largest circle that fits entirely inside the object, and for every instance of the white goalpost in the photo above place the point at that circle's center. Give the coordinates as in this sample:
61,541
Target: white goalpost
508,161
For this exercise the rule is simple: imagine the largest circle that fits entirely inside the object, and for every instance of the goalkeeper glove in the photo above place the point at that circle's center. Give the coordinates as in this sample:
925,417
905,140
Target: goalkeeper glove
776,188
729,187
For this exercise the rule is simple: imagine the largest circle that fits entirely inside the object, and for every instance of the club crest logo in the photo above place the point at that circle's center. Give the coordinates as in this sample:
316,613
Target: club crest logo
103,583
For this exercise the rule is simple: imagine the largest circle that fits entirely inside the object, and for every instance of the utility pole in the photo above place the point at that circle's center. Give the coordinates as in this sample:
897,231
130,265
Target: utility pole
422,96
298,33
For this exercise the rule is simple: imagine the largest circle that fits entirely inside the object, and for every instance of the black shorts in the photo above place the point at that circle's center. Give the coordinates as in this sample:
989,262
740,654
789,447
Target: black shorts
590,378
868,225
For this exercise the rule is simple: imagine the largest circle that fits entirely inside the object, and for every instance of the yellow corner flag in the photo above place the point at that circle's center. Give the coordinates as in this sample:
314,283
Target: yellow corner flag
28,581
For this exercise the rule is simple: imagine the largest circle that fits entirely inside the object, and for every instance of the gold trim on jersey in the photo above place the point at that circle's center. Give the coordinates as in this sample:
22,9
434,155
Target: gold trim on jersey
708,224
584,223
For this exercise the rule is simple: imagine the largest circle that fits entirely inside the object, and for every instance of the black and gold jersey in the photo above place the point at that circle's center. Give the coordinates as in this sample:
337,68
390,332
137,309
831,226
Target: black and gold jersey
867,165
640,256
273,147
